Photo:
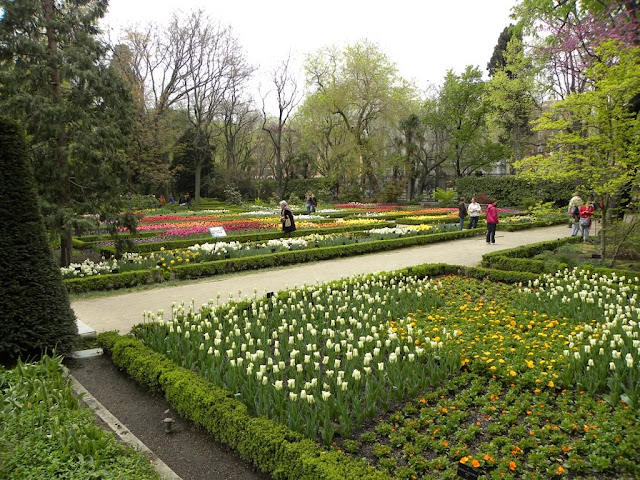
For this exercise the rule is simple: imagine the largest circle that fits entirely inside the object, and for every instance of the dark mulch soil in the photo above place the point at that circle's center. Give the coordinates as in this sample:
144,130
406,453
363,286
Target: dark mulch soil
188,450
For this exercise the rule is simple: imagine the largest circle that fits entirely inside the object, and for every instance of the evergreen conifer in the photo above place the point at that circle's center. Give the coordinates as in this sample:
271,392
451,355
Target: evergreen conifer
35,314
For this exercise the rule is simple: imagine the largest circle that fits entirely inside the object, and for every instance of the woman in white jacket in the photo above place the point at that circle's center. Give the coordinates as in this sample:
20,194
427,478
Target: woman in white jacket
474,210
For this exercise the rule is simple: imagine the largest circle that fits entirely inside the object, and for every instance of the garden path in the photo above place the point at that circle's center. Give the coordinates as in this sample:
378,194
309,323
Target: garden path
122,311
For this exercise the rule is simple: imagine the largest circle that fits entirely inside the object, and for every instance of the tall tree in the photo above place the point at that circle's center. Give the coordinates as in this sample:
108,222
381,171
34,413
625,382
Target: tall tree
36,314
55,79
285,89
458,116
361,86
512,99
498,60
156,61
216,69
423,148
595,139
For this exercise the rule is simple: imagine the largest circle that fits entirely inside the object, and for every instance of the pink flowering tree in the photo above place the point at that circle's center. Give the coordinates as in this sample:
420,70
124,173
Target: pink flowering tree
569,33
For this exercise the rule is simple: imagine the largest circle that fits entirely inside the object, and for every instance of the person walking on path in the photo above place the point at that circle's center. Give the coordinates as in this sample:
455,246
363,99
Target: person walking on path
492,222
574,213
462,212
308,203
286,217
585,212
474,210
314,202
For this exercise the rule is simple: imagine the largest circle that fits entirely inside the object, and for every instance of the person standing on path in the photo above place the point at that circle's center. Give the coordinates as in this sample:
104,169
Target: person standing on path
314,202
474,210
462,212
492,222
573,210
286,217
586,211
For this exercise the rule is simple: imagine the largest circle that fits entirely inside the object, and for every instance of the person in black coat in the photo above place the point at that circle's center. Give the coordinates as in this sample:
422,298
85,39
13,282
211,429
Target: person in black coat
462,212
286,217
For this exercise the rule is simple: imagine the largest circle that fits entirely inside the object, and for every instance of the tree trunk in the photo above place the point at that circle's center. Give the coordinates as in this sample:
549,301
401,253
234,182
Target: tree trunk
198,179
63,156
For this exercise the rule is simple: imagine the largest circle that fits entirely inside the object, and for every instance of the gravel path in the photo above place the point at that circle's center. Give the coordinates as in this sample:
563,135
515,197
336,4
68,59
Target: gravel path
122,311
189,451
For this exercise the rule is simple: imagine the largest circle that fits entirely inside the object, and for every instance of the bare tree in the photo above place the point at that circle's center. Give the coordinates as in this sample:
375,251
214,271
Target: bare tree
156,63
238,122
191,67
287,97
217,70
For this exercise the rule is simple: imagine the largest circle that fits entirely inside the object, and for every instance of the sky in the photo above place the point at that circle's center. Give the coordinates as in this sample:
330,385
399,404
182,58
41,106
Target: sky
424,38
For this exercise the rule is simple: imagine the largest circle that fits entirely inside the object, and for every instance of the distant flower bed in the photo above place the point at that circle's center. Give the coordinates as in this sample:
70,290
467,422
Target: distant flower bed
207,251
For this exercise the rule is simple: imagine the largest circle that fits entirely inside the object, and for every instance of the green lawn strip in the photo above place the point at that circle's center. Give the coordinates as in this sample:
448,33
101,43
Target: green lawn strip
45,433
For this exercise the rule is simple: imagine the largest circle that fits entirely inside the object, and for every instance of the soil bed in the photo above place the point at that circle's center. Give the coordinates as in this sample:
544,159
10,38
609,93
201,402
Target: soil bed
189,451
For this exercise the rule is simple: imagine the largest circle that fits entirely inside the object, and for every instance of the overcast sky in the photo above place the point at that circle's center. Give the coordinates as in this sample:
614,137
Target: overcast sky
425,38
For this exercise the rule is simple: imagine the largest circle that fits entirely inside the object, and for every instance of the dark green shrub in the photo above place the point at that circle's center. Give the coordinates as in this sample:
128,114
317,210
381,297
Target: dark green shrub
515,191
36,315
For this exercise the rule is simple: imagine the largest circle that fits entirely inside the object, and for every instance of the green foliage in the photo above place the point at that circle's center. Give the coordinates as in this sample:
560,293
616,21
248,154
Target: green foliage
357,89
36,314
498,61
595,134
77,111
444,197
458,116
44,433
517,191
511,95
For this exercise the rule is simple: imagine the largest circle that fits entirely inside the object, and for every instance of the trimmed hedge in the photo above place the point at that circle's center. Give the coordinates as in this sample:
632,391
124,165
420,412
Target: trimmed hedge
519,258
271,446
516,227
114,281
514,190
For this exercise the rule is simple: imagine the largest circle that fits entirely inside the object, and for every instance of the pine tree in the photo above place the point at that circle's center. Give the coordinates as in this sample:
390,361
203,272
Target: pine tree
35,314
55,79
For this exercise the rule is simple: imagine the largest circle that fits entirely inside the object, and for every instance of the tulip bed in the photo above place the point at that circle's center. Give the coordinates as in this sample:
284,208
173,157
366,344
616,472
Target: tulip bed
208,251
418,375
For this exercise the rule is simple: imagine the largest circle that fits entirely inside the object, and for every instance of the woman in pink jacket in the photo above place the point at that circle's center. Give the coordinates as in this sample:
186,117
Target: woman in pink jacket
492,221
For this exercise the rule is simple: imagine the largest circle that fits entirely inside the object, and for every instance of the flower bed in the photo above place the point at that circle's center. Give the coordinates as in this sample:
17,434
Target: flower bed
209,251
531,382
